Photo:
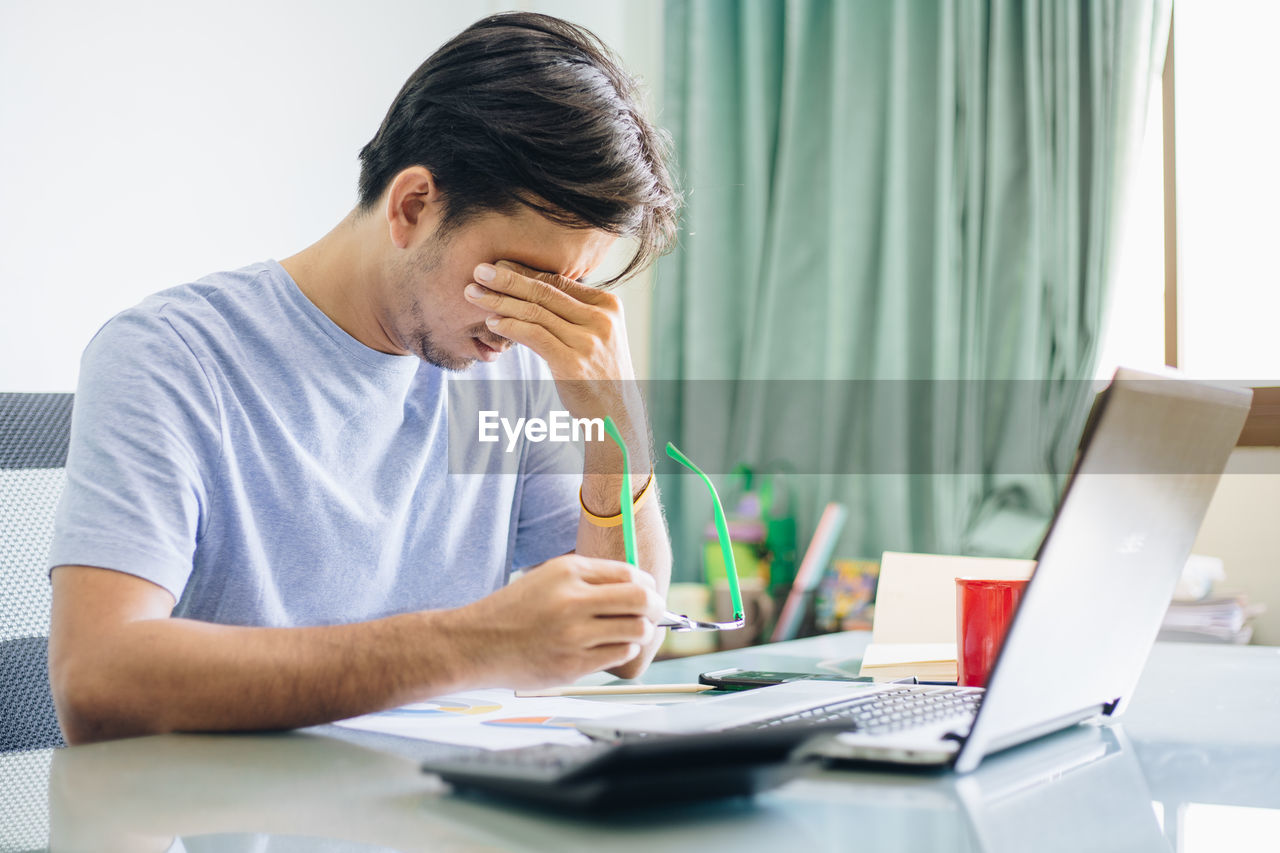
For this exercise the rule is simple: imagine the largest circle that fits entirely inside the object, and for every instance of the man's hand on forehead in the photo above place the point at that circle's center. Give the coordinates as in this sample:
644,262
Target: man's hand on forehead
565,321
577,329
534,285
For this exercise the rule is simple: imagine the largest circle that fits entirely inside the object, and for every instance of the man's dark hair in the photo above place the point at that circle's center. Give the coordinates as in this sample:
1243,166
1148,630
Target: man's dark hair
522,108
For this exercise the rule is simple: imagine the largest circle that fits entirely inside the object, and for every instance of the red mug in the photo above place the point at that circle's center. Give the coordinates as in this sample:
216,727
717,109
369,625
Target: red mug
984,610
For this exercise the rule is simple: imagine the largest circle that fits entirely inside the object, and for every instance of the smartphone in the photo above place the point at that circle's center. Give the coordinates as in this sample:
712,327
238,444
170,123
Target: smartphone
744,679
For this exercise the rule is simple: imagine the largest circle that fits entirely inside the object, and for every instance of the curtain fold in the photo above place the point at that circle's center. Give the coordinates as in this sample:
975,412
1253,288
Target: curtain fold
906,203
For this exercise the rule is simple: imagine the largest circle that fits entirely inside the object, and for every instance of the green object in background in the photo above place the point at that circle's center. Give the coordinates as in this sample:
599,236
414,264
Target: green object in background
781,542
762,529
746,558
778,508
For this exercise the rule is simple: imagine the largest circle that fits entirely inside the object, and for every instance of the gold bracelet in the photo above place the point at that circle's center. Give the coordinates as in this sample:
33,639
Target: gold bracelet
615,520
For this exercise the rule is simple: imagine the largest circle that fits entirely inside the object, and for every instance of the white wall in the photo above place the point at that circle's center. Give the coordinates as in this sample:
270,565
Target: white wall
1243,528
145,143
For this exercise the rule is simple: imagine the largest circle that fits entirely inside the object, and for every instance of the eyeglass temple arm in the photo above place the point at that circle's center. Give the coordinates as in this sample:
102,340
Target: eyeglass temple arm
629,518
722,530
624,497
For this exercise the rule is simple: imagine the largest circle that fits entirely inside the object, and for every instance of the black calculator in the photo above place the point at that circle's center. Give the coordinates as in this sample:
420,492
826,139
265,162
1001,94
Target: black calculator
651,770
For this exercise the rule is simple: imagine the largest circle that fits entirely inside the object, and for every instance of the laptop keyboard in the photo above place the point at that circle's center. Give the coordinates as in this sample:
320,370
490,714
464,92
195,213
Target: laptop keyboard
885,711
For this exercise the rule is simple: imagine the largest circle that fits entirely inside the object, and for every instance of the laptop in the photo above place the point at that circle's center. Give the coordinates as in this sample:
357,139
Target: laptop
1152,452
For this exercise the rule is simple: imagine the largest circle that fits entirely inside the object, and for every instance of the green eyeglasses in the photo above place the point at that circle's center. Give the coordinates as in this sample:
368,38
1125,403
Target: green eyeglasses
676,621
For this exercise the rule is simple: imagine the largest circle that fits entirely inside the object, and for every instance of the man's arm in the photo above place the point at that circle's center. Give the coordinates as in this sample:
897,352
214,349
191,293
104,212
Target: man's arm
120,665
580,332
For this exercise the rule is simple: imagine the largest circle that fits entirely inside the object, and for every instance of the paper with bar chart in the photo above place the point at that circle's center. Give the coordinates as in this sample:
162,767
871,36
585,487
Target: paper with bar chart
490,719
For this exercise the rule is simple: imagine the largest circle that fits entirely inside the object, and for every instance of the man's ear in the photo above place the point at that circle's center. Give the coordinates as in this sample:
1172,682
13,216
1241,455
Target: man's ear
414,206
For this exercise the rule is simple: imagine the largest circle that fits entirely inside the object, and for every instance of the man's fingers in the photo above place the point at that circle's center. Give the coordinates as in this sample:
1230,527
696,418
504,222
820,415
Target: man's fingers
609,656
564,297
643,578
627,599
527,312
600,570
535,337
620,629
575,289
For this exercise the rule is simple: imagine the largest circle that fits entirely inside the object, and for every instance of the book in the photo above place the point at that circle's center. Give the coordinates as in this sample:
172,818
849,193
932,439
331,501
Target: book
926,661
916,593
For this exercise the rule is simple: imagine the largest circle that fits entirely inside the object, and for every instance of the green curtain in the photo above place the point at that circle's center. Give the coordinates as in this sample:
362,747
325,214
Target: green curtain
881,191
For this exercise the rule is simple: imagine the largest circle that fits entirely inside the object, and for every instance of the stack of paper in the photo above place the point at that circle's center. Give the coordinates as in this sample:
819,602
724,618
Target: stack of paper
1195,617
926,661
1221,620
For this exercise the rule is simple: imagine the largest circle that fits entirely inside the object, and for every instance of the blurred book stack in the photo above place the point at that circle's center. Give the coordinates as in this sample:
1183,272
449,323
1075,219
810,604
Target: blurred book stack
1194,616
846,596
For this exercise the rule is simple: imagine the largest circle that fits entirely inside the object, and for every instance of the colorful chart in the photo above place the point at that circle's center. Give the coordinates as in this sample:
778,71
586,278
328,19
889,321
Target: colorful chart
461,705
534,722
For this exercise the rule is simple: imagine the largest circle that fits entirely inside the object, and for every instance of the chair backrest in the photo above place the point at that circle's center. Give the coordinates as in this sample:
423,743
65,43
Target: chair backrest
34,433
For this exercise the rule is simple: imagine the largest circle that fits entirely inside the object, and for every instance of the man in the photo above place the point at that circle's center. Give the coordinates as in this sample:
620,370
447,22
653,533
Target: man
261,527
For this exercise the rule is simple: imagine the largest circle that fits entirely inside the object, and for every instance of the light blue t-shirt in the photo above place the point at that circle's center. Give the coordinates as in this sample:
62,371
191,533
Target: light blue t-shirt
235,446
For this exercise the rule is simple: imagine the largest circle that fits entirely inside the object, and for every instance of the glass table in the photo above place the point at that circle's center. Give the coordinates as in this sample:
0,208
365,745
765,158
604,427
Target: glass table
1194,766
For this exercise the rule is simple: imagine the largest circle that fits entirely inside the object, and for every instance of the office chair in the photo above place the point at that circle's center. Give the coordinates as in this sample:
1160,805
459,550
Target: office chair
34,432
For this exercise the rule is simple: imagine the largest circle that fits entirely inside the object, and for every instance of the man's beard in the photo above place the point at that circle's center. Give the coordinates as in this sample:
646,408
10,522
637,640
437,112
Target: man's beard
432,353
429,351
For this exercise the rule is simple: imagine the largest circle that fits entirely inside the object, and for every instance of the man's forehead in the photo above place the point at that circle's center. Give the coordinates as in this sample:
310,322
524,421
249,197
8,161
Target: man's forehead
570,252
577,272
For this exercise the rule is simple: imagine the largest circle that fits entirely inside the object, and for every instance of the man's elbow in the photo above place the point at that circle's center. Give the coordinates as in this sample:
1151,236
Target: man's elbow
94,706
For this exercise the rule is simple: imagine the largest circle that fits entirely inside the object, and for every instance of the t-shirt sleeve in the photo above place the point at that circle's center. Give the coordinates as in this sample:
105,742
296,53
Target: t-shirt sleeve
550,474
145,441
